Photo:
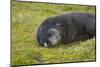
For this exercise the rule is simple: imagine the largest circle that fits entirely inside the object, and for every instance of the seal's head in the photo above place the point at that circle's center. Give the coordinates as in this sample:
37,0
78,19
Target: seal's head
48,34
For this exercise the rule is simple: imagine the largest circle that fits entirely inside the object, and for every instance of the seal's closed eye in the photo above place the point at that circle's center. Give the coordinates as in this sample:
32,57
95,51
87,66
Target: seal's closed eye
50,33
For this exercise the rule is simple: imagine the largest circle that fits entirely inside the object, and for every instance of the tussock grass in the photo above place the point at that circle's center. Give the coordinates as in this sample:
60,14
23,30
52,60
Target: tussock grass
27,17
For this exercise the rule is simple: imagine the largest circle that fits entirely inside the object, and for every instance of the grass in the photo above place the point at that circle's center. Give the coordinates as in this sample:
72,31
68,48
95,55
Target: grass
27,17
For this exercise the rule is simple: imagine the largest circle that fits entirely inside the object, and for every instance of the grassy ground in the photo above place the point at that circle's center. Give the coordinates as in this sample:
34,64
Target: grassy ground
26,18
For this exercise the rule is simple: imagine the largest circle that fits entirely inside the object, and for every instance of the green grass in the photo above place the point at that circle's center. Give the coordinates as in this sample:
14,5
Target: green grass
27,17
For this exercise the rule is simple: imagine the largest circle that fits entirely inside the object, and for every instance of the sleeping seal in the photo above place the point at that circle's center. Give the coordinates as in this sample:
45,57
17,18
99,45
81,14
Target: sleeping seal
66,28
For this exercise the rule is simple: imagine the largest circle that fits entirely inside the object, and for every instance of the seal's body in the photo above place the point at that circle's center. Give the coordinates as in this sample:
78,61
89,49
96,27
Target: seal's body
66,28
